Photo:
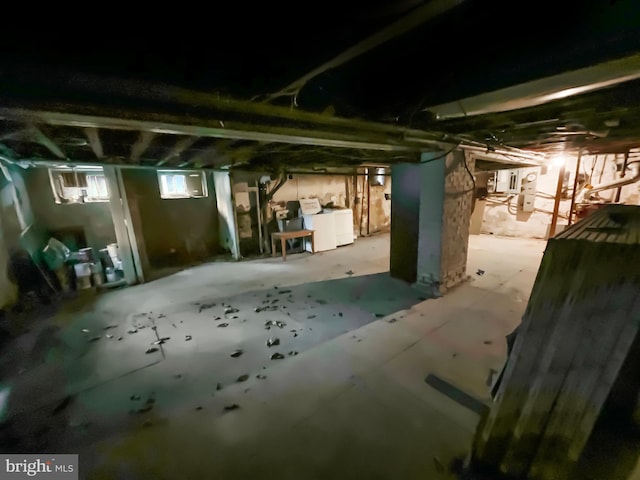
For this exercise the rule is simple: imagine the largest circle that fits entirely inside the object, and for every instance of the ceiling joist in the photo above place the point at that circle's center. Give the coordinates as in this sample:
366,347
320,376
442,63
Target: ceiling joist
181,145
142,143
93,136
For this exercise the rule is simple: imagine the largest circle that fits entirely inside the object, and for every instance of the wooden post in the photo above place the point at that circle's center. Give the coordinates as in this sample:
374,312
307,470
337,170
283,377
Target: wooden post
556,204
622,174
575,185
122,223
368,202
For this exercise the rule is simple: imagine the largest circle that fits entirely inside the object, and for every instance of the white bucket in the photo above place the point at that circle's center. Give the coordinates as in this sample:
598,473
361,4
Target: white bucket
112,248
82,269
112,276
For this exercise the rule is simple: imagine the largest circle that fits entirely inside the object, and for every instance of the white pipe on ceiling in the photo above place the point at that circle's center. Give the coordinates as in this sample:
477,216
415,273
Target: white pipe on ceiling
544,90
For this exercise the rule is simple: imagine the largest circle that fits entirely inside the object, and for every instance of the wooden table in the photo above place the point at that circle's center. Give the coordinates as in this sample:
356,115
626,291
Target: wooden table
284,236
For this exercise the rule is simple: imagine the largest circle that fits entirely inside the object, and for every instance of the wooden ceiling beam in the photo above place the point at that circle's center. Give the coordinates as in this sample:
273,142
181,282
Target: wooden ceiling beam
93,136
181,145
144,140
33,134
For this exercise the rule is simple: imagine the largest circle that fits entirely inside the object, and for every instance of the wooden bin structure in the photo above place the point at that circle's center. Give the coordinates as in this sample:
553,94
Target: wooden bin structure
580,322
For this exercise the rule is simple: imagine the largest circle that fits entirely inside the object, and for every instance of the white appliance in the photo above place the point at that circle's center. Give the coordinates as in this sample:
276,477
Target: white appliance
323,225
344,225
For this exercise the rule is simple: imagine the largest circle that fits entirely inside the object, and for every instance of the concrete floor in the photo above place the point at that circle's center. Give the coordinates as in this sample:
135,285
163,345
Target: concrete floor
352,403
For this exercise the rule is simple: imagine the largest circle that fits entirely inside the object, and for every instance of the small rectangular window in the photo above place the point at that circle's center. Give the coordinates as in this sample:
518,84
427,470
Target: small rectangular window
78,185
182,184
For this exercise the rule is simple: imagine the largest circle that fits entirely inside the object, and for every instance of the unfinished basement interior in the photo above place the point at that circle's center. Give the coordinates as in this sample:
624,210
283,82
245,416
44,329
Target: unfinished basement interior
374,240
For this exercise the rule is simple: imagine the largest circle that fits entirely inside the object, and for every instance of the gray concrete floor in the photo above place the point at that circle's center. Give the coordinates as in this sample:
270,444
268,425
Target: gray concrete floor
350,401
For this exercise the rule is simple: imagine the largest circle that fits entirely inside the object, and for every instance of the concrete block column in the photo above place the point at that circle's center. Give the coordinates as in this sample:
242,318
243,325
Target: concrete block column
431,206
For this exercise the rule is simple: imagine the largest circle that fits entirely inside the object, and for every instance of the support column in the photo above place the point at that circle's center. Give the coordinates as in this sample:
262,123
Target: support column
430,212
227,212
123,225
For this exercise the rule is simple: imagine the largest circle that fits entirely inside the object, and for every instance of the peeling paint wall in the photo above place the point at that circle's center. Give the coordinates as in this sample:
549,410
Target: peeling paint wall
93,219
340,190
326,188
176,232
380,211
504,216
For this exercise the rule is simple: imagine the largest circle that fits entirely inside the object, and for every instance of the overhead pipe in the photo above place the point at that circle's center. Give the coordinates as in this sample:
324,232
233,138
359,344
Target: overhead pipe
544,90
621,182
402,26
625,162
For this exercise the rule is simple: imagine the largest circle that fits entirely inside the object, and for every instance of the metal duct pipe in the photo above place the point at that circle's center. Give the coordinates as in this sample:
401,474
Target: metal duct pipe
544,90
635,176
621,182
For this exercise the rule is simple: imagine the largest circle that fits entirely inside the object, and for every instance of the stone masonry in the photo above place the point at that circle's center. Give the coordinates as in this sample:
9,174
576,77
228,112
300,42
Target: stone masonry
458,204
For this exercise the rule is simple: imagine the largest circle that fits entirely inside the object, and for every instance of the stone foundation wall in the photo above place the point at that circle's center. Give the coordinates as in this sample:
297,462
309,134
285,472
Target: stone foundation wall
458,203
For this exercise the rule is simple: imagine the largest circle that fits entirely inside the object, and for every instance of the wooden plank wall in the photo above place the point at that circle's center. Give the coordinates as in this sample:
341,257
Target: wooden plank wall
581,320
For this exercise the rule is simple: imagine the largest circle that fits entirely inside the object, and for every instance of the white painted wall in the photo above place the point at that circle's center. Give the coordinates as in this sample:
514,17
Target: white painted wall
327,188
503,219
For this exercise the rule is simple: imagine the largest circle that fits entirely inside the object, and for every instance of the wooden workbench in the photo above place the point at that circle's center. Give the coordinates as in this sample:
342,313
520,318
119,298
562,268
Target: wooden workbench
284,236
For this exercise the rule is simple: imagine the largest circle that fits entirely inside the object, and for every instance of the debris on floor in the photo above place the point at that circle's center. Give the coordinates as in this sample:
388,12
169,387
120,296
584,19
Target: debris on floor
217,318
132,331
187,338
161,341
108,335
108,327
233,406
479,272
223,325
243,378
261,377
309,317
292,353
274,323
269,308
66,401
284,291
147,408
273,341
85,330
392,320
230,310
487,342
205,306
350,272
277,356
151,350
237,353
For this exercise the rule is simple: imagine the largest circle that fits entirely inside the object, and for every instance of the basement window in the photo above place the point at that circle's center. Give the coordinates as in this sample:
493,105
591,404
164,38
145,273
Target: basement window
78,185
182,184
